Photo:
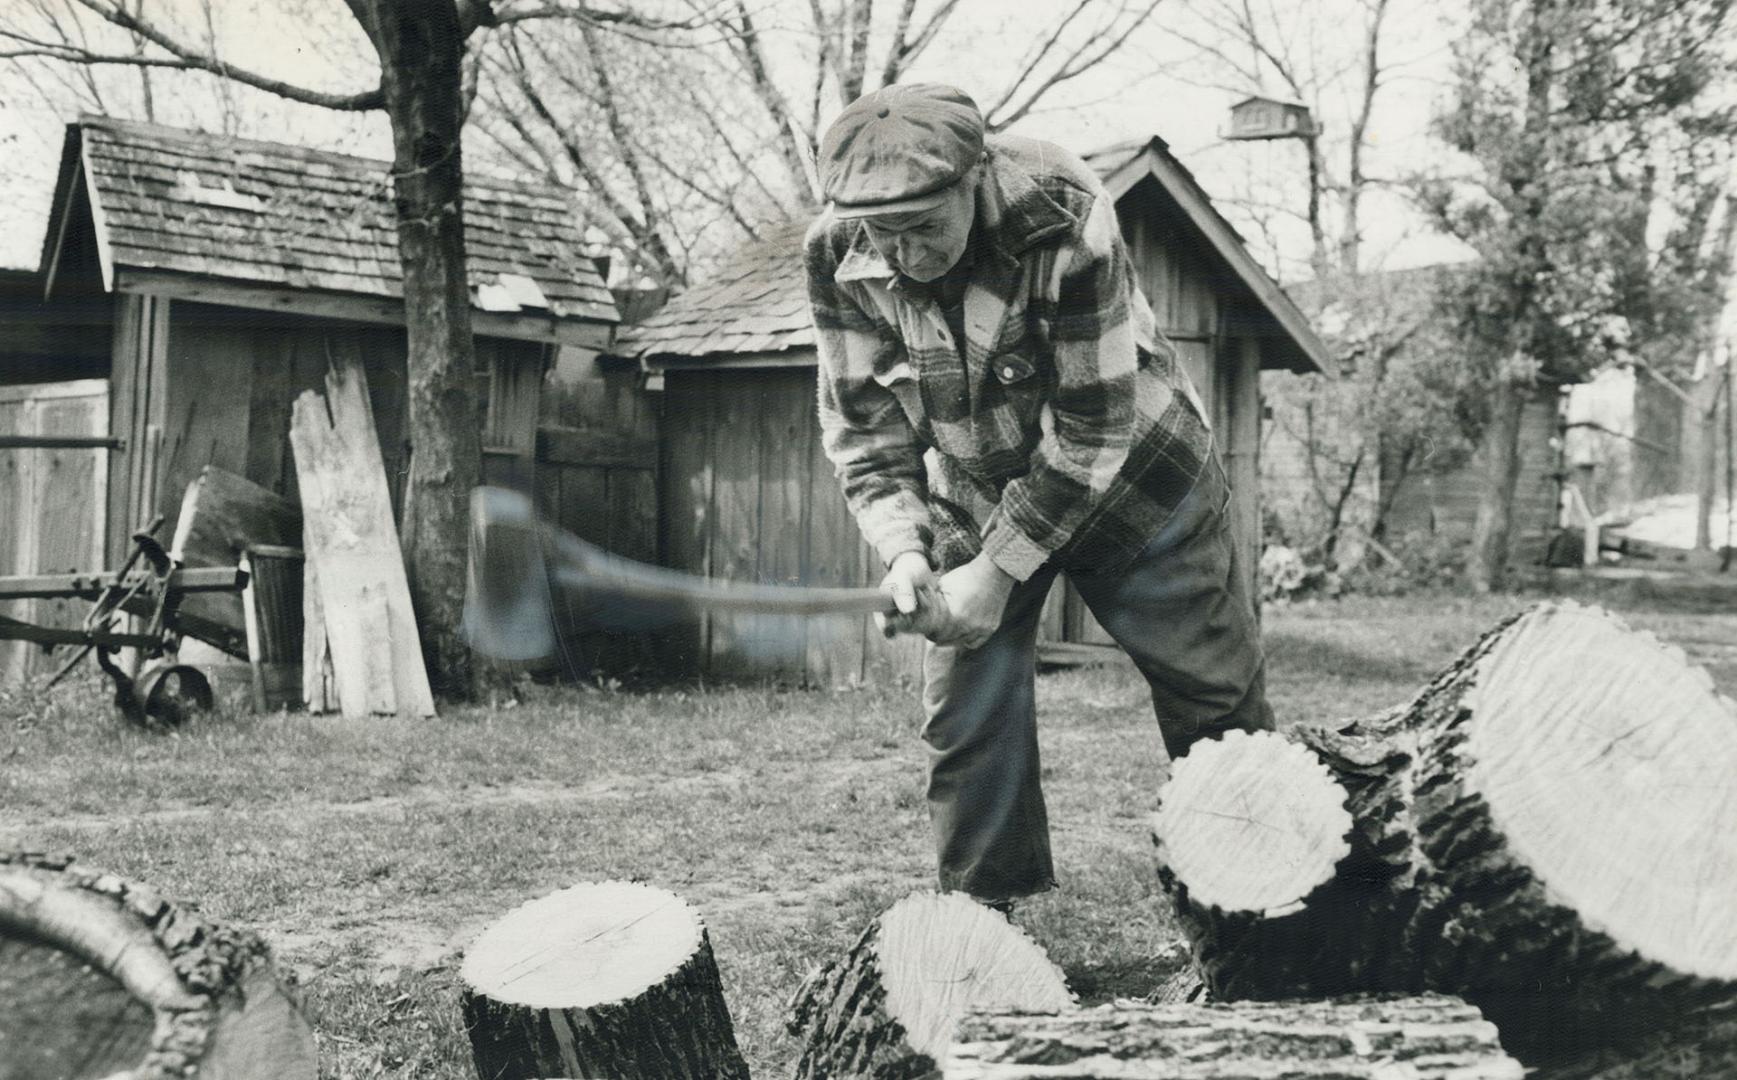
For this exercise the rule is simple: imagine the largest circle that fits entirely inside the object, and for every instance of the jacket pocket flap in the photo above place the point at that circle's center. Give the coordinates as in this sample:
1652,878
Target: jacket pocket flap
1011,368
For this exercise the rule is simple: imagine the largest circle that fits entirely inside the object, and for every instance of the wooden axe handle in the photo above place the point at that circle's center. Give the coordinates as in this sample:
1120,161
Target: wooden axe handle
600,576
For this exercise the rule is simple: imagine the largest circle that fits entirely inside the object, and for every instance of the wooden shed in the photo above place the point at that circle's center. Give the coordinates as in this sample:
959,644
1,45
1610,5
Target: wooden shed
211,280
746,492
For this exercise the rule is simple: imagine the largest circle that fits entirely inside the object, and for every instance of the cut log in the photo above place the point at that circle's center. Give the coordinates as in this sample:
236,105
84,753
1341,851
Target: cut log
101,977
887,1011
1547,830
608,979
1251,831
356,585
1419,1038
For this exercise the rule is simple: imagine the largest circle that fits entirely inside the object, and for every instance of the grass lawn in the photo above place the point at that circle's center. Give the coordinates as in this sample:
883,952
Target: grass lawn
369,853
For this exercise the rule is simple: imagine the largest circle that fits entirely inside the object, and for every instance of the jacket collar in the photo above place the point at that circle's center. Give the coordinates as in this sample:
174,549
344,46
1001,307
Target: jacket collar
1013,215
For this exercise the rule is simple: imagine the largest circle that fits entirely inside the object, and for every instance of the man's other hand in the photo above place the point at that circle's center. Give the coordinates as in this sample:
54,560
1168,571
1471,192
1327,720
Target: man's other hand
976,598
916,592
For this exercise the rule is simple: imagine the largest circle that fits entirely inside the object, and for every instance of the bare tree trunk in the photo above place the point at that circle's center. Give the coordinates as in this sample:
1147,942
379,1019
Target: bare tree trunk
1318,257
1500,450
421,46
1705,394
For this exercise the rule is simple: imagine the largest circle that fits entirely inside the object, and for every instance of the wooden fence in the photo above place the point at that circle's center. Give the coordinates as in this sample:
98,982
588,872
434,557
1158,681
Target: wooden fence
51,504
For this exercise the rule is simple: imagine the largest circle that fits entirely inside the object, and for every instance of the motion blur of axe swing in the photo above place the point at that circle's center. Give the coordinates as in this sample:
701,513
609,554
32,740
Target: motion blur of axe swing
525,573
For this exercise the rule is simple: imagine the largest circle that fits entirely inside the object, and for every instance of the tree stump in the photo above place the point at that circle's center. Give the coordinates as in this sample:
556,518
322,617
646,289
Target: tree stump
102,977
1547,830
611,979
887,1010
1419,1038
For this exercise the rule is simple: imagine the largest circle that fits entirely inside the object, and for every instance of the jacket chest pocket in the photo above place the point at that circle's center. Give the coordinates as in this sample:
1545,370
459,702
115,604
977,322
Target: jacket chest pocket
1014,375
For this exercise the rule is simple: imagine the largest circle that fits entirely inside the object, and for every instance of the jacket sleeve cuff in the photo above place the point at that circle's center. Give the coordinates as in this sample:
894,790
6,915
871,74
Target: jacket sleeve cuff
891,547
1011,550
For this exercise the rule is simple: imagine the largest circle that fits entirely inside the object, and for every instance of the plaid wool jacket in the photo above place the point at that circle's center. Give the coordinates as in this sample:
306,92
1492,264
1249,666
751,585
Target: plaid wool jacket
1061,426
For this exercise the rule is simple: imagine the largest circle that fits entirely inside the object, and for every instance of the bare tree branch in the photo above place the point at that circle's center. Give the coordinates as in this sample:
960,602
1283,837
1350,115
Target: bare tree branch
895,62
1028,66
908,53
595,16
856,46
1091,52
746,44
653,236
825,32
113,12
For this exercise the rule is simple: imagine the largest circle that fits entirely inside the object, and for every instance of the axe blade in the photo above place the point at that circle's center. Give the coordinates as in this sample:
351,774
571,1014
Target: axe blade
508,610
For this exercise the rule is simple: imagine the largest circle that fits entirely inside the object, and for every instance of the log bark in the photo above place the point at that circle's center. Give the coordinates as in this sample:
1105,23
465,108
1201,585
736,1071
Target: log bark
1547,830
887,1010
611,979
1703,1044
1420,1038
104,977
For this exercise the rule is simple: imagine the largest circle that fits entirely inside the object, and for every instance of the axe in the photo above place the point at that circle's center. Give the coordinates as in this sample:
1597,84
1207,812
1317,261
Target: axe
523,571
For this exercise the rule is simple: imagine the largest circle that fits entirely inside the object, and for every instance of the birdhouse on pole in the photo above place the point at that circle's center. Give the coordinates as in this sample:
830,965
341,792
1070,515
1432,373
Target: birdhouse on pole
1268,118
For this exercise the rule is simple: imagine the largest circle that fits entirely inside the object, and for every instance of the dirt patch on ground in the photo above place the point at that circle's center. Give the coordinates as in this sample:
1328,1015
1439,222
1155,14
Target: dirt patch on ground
432,933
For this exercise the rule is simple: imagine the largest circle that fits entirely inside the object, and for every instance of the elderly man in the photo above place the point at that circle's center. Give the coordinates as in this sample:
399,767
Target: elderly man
1000,409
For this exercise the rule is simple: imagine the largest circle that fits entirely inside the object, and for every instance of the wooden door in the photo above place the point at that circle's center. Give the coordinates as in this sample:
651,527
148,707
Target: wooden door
51,505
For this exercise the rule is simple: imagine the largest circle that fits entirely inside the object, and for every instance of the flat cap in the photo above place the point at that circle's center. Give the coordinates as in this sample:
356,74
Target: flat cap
899,148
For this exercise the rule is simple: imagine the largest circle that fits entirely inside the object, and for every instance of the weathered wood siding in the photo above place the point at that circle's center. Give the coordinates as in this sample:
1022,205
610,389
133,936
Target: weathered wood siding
51,506
596,477
1444,501
138,406
748,495
199,384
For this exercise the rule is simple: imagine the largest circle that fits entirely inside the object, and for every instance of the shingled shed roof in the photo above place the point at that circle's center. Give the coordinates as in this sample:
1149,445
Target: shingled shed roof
209,217
753,313
752,309
1126,164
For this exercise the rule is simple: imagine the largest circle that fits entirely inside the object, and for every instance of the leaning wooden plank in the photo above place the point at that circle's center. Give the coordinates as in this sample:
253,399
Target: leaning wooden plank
221,514
319,682
1417,1038
350,540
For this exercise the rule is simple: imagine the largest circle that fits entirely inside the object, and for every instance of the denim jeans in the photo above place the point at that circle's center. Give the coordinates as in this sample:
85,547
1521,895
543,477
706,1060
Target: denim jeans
1181,611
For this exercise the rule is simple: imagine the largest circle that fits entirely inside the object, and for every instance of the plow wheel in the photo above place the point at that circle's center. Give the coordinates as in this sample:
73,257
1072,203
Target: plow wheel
172,693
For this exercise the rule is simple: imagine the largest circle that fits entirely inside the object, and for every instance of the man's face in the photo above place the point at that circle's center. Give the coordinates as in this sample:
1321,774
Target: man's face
925,244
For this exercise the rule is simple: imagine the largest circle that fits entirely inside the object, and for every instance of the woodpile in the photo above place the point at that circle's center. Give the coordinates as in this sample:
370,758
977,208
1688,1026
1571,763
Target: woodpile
1422,1038
612,979
887,1010
1547,830
103,977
